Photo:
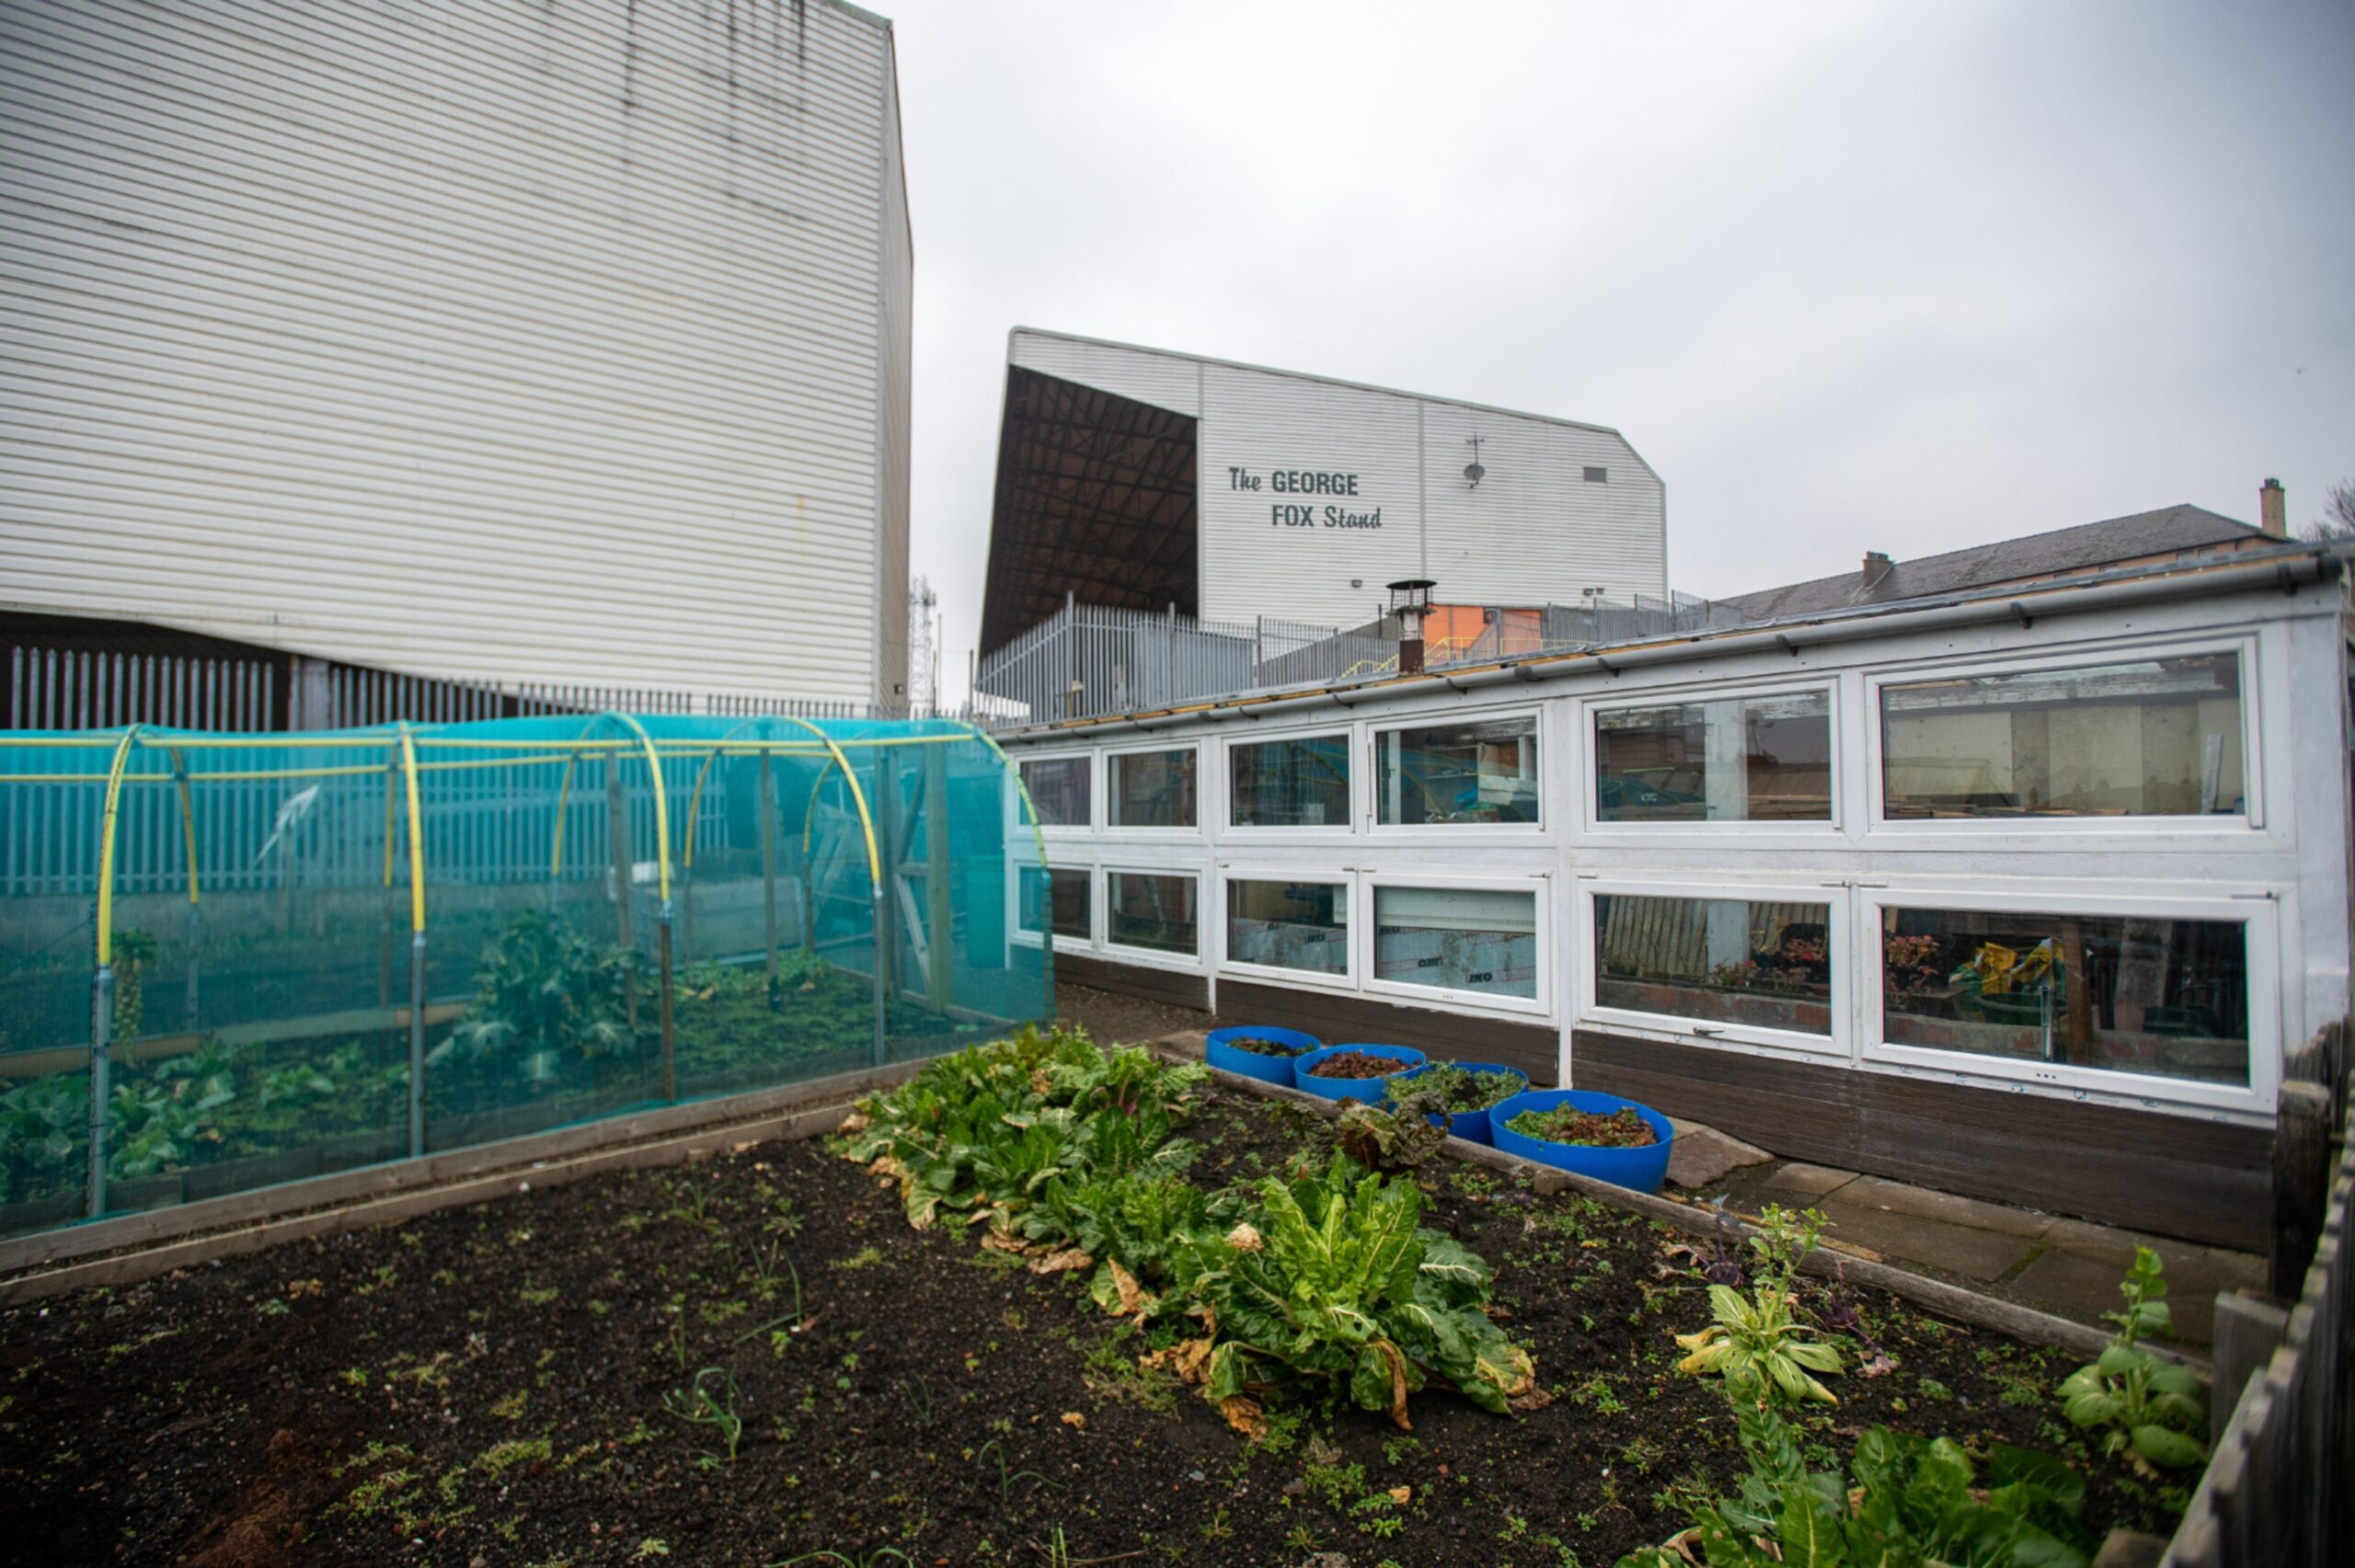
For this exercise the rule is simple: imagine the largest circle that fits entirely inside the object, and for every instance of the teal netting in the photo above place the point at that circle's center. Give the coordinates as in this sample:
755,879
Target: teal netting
299,954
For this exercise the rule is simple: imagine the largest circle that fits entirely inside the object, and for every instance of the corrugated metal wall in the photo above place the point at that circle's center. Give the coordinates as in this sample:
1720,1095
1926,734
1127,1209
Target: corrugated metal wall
501,341
1535,531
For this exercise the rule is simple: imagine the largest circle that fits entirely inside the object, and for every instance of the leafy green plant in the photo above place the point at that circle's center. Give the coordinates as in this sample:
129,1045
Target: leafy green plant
1762,1334
43,1124
1393,1141
544,996
1912,1501
1458,1088
700,1403
1331,1279
2153,1409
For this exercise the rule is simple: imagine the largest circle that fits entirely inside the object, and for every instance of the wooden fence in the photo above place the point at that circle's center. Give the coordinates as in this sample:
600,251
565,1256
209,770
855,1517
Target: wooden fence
2277,1491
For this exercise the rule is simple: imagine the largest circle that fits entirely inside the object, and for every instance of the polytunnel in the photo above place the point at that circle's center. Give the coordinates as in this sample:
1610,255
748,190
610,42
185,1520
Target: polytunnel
229,961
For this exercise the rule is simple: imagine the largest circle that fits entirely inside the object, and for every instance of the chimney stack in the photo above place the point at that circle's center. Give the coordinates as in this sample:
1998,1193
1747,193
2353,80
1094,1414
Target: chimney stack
2272,509
1876,567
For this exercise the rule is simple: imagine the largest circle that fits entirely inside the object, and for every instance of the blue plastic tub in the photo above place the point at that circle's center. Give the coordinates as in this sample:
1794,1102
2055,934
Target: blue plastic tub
1353,1088
1472,1126
1251,1064
1641,1169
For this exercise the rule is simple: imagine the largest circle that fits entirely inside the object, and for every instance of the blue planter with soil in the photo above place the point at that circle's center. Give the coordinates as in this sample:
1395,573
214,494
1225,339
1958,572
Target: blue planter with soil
1642,1168
1303,1072
1267,1067
1472,1126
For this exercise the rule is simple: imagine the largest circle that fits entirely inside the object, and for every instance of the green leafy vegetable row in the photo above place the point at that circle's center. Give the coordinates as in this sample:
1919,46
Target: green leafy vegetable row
1070,1152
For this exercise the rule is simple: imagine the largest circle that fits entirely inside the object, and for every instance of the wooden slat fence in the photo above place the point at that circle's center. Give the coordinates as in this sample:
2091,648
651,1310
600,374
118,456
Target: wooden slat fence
2277,1493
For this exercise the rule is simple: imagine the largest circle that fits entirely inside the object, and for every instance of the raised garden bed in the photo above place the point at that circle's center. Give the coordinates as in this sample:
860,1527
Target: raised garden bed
501,1383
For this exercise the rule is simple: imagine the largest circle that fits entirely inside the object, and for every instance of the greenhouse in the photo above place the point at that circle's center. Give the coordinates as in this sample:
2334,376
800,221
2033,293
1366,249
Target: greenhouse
234,960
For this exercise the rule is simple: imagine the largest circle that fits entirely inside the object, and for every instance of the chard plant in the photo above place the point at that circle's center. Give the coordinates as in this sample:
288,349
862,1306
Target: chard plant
2155,1409
1331,1279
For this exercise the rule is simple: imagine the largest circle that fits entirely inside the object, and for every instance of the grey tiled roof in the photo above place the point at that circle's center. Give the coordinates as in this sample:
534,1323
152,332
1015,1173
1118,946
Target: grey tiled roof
2170,530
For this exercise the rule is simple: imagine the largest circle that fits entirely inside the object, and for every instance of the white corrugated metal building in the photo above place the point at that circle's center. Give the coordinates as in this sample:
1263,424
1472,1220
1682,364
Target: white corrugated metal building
505,343
1139,479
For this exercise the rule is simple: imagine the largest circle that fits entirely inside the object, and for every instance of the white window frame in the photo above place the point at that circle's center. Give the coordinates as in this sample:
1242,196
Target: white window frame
1539,885
1198,961
1018,932
1346,733
2259,911
1274,974
1589,716
1837,1047
2244,828
1472,832
1204,797
1094,789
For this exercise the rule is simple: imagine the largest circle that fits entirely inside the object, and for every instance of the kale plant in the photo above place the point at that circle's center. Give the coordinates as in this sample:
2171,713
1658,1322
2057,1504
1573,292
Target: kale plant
544,996
1398,1139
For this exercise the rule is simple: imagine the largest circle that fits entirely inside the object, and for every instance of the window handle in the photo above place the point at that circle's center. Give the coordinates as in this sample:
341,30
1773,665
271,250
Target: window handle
1707,1031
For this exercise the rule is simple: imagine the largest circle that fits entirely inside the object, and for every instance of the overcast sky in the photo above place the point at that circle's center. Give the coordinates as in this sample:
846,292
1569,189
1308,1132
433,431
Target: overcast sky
1894,277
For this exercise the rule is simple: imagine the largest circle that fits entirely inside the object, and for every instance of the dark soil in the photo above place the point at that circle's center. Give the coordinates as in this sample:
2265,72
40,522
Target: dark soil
1114,1015
488,1386
1358,1064
1592,1129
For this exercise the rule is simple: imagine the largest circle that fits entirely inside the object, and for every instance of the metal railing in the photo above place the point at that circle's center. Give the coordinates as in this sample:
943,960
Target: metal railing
1093,661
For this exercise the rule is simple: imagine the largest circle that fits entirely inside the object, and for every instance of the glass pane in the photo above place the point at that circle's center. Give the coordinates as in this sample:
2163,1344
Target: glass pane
1458,939
1461,772
1288,925
2167,997
1058,789
1738,760
1063,892
1766,966
1152,910
1153,789
1293,784
2155,737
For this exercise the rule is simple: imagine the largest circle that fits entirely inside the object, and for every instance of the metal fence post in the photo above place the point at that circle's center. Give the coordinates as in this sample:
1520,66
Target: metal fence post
417,1044
670,1043
101,1021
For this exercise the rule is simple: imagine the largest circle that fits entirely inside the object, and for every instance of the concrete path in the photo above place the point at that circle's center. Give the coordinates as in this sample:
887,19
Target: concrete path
2067,1266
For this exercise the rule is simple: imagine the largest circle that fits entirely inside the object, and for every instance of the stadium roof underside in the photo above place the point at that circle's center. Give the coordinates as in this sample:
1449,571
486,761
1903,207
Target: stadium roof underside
1095,498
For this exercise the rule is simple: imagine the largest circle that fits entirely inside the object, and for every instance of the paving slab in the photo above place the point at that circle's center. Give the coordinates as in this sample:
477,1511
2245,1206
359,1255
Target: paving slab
1702,1154
1928,1203
1809,1181
1964,1249
2078,1274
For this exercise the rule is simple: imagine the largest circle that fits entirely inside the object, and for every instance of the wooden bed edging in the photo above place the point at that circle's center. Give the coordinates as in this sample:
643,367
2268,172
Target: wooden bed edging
1947,1300
246,1222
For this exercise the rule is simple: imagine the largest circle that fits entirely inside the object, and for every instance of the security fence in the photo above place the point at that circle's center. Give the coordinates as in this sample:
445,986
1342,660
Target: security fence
1093,661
